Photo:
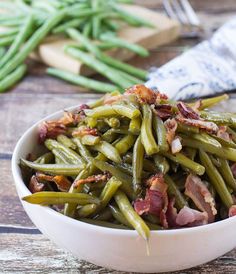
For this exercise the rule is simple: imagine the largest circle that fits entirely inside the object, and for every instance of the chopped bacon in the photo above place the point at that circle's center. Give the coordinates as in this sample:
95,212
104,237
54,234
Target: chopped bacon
187,111
92,179
156,199
208,126
164,111
233,169
50,129
81,108
67,118
232,211
191,217
144,94
201,196
171,214
176,145
83,130
35,185
61,181
171,126
222,133
108,99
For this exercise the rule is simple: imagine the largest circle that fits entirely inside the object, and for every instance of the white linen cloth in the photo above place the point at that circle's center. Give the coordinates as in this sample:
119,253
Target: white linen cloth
206,69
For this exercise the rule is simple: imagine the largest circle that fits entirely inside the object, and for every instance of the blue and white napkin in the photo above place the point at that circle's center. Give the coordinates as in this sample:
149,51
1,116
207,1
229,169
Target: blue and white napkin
206,69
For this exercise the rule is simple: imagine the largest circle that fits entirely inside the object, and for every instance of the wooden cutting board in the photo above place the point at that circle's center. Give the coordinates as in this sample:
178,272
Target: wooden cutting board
165,31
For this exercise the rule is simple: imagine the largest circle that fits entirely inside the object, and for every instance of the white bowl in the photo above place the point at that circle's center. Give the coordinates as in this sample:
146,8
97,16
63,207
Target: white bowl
123,250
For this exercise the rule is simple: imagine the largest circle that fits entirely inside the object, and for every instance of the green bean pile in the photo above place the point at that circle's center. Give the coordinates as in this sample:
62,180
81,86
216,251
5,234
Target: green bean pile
91,24
137,161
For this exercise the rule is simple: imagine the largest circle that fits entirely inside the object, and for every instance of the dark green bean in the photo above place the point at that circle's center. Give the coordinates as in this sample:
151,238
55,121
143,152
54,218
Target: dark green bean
160,131
226,173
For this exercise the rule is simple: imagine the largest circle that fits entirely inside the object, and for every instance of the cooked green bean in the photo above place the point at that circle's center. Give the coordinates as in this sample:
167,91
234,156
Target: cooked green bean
119,216
58,169
86,210
125,143
113,122
226,173
46,158
55,198
180,158
161,163
173,191
224,142
63,139
232,133
186,128
131,216
137,163
103,223
135,125
210,102
109,136
207,139
108,150
160,131
12,78
147,138
220,118
82,149
90,140
103,215
216,179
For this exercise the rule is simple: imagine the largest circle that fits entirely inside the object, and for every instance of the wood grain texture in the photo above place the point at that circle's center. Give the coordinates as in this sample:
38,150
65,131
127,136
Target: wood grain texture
36,254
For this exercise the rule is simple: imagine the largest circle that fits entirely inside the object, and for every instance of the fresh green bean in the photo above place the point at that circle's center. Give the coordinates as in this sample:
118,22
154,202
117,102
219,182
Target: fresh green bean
13,77
226,173
9,32
216,179
108,150
87,28
125,144
31,44
52,198
76,22
63,139
160,131
225,153
137,163
173,191
19,40
81,80
90,140
147,138
131,216
58,169
180,158
124,44
161,163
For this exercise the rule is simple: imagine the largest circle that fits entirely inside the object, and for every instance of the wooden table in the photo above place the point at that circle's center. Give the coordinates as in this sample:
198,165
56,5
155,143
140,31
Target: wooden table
22,248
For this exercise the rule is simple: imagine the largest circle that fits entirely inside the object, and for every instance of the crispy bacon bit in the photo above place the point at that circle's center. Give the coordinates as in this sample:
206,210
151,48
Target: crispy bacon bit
233,169
144,94
50,129
208,126
67,118
171,214
232,211
171,126
187,111
222,133
191,217
61,181
201,196
176,145
164,111
108,99
92,179
83,130
156,199
35,185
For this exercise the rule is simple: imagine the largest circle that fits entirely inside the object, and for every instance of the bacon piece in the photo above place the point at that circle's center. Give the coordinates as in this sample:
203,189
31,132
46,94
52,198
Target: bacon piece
187,111
208,126
191,217
164,111
35,185
144,95
92,179
50,129
196,106
67,118
222,133
176,145
171,126
83,130
232,211
61,181
171,214
201,196
108,99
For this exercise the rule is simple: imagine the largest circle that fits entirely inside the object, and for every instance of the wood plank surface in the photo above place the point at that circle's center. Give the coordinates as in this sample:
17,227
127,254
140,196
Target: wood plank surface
23,251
